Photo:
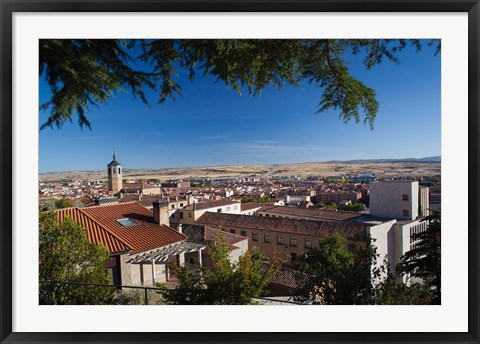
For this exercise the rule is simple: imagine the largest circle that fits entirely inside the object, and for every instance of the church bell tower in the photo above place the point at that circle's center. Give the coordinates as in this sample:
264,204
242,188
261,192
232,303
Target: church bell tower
115,181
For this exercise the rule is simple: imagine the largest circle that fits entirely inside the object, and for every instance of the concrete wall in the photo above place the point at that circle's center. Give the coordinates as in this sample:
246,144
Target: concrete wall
126,278
403,241
383,238
387,199
141,274
235,254
424,202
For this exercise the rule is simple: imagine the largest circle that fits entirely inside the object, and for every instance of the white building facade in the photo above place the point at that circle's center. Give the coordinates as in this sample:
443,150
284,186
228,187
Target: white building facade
396,199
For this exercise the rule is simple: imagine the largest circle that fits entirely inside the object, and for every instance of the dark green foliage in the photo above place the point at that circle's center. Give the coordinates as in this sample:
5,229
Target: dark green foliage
222,283
331,206
63,203
83,72
66,255
393,292
354,207
424,260
338,276
256,199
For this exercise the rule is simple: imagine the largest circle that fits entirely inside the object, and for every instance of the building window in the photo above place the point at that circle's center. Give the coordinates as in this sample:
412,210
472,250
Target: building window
219,210
192,261
119,170
280,239
227,209
235,207
308,243
266,238
405,197
189,214
181,205
181,216
293,257
243,233
293,241
254,236
232,231
406,212
173,206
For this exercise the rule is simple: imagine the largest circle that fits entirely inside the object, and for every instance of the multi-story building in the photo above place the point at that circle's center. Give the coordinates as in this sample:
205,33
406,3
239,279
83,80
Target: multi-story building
140,242
337,196
311,213
192,212
280,237
398,199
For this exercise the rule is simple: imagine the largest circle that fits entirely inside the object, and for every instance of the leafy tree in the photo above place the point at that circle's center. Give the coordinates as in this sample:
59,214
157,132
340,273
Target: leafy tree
338,276
78,204
392,292
223,283
63,203
66,255
354,207
424,260
84,72
47,206
256,199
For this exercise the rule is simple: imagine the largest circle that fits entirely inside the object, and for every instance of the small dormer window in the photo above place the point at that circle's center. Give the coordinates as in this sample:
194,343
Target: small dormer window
127,222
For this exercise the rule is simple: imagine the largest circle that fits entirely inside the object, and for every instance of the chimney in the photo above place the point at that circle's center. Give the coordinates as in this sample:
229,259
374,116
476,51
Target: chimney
176,198
179,228
160,212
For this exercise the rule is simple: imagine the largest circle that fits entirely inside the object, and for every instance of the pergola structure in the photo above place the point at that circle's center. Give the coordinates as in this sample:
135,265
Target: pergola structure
161,255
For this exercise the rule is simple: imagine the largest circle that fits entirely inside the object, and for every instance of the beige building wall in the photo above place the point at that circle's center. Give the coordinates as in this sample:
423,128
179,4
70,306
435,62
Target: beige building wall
396,199
278,244
189,216
424,202
115,182
382,236
142,274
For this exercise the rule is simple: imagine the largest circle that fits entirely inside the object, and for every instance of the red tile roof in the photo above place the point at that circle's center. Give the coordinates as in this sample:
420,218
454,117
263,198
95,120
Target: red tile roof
95,232
286,277
298,226
310,213
144,236
250,206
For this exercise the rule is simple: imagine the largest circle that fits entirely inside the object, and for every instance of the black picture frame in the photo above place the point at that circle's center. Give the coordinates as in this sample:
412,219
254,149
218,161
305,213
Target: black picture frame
8,7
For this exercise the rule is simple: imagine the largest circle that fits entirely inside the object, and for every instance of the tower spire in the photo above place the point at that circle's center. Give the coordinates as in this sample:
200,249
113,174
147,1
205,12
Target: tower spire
114,153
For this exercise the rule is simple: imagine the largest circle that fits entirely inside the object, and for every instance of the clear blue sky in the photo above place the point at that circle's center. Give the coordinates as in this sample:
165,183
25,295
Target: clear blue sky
211,125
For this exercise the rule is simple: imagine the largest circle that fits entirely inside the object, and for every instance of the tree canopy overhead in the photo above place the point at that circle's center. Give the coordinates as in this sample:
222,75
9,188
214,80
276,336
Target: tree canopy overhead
85,72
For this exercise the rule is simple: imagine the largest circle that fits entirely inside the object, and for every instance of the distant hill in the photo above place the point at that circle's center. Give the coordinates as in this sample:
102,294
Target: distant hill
433,159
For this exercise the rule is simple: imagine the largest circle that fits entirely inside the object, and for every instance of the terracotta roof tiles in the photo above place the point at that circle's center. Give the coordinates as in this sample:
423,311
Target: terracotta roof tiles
298,226
143,236
311,213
